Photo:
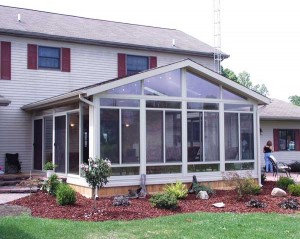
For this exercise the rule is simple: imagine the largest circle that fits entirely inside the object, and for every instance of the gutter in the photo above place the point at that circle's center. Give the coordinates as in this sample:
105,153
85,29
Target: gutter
36,35
86,101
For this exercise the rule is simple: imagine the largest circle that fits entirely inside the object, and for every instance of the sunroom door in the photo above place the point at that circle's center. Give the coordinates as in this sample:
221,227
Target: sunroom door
38,144
60,143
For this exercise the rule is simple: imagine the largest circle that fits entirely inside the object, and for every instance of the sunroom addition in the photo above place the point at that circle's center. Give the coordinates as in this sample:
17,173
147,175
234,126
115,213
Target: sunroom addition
169,123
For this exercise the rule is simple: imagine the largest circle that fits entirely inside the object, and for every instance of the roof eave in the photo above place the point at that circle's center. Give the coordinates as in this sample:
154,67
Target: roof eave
276,118
53,101
44,36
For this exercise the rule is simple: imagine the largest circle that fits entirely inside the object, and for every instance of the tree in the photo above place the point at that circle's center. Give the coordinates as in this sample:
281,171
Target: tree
295,99
243,78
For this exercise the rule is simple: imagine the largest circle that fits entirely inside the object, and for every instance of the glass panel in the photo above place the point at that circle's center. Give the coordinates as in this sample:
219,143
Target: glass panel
202,106
163,169
85,132
49,57
73,142
211,136
231,136
197,87
247,139
167,84
119,102
129,89
229,95
203,168
130,136
109,134
286,139
48,136
154,136
163,104
123,171
60,143
235,107
239,166
195,136
173,136
136,64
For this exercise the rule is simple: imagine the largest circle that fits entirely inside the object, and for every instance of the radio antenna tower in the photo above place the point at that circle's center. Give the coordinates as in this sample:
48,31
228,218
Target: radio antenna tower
217,37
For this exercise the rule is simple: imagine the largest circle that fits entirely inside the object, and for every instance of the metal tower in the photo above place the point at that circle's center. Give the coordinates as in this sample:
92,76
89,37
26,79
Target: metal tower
217,37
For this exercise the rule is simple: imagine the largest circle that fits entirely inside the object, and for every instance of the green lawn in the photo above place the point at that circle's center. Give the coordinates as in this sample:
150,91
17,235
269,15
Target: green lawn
196,225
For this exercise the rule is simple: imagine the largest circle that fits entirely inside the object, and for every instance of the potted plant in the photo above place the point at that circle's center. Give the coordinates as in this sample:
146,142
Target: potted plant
49,167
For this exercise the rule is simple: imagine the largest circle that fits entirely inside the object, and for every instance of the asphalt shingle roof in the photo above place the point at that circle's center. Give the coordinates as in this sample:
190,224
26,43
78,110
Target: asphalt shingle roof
51,25
279,109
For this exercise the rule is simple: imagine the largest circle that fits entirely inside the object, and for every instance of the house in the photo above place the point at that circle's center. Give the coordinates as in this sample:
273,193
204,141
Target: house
147,98
280,123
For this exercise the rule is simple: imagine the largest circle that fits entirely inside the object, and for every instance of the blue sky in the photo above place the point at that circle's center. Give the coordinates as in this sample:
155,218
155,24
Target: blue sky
262,37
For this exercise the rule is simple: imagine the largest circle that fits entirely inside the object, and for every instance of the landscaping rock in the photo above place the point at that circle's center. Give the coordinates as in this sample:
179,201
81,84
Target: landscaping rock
121,201
256,204
202,195
219,204
290,204
278,192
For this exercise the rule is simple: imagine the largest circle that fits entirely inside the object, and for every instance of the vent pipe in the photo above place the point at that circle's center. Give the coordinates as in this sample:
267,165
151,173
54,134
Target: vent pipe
19,17
173,43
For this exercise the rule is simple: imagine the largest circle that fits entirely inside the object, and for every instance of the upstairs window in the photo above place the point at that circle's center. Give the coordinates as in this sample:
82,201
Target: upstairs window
49,57
45,57
133,64
136,64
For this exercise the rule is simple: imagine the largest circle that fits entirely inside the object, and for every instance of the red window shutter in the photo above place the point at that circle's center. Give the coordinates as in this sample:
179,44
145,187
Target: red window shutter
297,139
32,56
153,62
5,60
66,59
276,139
121,65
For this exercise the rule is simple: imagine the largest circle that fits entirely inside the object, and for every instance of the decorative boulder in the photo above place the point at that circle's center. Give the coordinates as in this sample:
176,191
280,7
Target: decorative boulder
121,201
278,192
202,195
219,204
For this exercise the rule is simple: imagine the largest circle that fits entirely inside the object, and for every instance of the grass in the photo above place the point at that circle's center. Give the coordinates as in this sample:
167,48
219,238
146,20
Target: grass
196,225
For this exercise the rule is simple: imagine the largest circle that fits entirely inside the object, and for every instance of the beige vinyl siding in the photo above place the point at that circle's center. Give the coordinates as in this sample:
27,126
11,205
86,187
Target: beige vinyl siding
89,64
267,127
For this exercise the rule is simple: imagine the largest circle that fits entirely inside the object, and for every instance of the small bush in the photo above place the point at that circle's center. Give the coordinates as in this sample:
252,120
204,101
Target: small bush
65,195
51,184
284,182
164,200
294,189
178,189
199,187
244,186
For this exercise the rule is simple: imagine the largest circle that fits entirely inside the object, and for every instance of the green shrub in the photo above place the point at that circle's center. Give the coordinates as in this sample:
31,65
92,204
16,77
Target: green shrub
247,187
65,195
51,184
244,186
284,182
199,187
178,189
294,189
164,200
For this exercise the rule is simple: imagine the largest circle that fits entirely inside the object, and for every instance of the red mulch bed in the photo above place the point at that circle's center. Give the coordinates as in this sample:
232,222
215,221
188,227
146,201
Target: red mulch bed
43,205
